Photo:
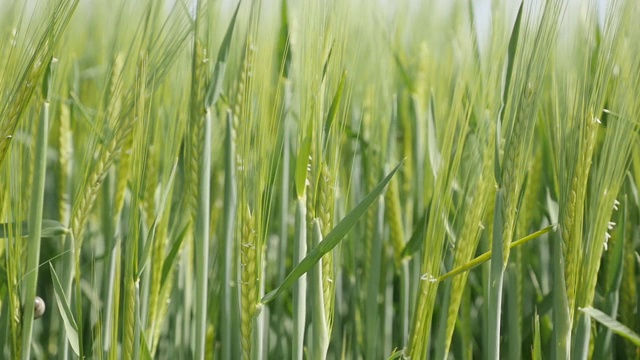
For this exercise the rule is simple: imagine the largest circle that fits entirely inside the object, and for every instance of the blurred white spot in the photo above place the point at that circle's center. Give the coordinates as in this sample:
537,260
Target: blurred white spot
428,277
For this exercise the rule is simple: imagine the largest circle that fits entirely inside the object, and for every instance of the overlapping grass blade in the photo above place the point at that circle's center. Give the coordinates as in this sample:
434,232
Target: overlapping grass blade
613,325
65,311
331,240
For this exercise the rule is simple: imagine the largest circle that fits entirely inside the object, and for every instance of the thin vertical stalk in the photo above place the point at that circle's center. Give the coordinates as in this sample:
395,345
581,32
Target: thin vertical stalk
300,287
514,311
419,151
66,271
202,238
389,310
441,322
144,292
108,280
561,317
373,286
137,322
496,279
284,215
405,286
320,343
78,301
226,262
35,228
258,335
114,294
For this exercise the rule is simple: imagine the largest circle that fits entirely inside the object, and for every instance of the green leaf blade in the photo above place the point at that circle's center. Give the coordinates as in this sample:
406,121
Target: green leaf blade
70,325
613,325
332,239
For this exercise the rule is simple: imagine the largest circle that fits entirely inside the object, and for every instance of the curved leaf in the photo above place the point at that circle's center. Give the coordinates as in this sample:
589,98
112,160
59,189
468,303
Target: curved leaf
332,239
215,86
301,166
70,325
613,325
50,228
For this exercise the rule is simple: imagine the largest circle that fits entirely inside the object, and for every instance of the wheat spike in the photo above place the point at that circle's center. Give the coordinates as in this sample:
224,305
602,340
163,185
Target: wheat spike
572,219
393,216
65,150
326,200
195,129
129,317
249,276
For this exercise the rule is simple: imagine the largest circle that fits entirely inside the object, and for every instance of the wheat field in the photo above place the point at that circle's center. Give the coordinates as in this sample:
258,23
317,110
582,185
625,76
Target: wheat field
321,179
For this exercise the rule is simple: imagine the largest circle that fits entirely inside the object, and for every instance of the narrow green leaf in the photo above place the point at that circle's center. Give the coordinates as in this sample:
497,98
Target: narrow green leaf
332,239
553,209
284,46
487,255
301,166
432,140
613,325
53,228
215,86
70,325
417,238
4,321
474,27
170,260
333,109
145,354
50,228
326,63
3,279
396,354
46,81
146,251
536,352
497,168
513,46
403,72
